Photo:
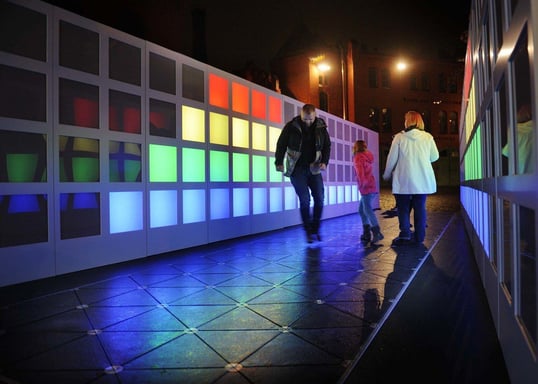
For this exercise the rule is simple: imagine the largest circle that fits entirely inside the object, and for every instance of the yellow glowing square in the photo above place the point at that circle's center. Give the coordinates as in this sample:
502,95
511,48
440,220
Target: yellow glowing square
240,135
193,124
274,133
259,136
218,128
240,98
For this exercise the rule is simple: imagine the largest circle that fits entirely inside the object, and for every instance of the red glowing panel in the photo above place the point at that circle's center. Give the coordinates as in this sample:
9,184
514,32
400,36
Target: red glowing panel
218,91
275,109
258,104
239,98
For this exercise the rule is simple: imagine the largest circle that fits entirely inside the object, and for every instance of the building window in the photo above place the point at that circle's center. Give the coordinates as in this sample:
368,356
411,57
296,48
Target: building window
425,80
323,101
453,122
385,78
442,82
442,122
452,85
426,116
373,116
372,77
386,120
413,82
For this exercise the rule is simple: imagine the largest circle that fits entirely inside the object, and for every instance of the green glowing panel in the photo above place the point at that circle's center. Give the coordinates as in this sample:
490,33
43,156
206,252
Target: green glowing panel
240,167
162,163
219,169
274,175
193,167
274,133
240,133
193,124
218,128
259,168
259,136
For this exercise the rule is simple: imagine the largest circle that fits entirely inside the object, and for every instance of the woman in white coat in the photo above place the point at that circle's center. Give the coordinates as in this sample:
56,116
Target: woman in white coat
409,164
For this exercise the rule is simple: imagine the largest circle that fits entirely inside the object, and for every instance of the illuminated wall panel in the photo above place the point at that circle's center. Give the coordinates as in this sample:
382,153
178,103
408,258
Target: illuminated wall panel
80,215
162,163
218,91
259,168
275,109
240,101
218,128
341,194
219,169
290,198
79,159
23,157
240,133
259,101
193,124
240,167
274,175
162,208
219,201
331,195
259,201
275,200
241,202
259,136
274,133
126,211
193,165
120,116
125,161
23,219
193,205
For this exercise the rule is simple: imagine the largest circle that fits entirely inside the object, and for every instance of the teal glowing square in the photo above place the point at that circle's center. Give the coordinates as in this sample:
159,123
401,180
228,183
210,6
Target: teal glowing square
193,165
240,167
162,163
219,168
259,168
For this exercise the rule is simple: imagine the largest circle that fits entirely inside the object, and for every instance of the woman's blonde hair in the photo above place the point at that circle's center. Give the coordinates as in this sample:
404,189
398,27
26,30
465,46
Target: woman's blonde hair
359,146
414,119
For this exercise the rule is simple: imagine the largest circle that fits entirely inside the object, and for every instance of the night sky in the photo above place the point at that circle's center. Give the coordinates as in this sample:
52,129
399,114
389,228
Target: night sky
239,31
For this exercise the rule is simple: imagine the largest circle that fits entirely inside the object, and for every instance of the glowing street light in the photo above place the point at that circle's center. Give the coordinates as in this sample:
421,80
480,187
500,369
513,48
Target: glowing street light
401,65
323,67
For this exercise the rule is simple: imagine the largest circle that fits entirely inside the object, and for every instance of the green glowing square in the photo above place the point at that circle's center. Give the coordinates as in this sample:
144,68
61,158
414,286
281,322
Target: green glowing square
259,168
274,175
162,163
218,166
193,165
240,167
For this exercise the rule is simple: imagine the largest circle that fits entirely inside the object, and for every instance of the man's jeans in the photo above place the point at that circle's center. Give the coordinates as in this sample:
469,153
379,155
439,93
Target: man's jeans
417,203
305,183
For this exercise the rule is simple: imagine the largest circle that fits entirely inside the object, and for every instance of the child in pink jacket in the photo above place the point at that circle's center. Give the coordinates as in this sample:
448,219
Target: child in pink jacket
363,160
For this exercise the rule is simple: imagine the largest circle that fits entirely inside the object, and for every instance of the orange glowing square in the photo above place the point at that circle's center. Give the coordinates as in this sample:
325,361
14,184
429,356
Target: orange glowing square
275,109
259,108
218,91
240,98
